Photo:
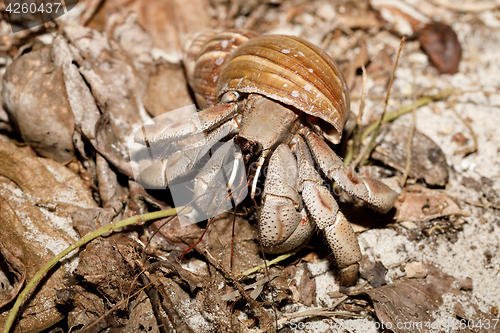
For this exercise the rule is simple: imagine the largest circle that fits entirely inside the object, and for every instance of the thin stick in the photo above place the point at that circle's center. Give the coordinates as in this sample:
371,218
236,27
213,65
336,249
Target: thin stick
270,263
471,149
366,152
354,149
82,241
406,109
357,138
410,138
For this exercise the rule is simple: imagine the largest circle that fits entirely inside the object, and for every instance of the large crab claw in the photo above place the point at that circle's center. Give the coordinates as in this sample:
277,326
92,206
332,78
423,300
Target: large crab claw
221,184
376,193
185,140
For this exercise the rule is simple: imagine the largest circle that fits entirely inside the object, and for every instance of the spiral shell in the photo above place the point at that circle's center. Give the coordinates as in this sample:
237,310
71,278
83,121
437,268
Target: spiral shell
292,71
204,58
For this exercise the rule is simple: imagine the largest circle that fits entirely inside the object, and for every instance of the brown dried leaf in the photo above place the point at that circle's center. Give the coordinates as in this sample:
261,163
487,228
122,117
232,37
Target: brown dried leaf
426,205
307,286
87,308
112,193
173,235
12,271
111,76
37,196
440,43
88,220
108,265
164,20
34,95
142,318
415,270
167,90
434,301
374,272
246,250
427,159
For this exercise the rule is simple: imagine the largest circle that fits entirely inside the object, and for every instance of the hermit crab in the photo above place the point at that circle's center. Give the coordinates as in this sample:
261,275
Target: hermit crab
280,102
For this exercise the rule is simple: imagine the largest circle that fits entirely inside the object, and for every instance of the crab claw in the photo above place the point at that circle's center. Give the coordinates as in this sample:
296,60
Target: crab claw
163,171
216,185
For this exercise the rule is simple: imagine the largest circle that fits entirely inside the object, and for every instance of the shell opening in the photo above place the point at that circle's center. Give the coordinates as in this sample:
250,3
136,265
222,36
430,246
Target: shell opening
325,129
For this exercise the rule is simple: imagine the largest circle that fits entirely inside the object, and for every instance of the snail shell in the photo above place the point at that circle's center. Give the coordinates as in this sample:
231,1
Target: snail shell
204,58
294,72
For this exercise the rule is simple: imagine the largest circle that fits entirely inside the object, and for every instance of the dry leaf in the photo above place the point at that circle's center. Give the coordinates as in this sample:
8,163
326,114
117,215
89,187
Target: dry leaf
440,43
245,249
426,205
37,197
35,98
415,270
12,271
106,265
167,89
427,159
307,286
374,272
417,305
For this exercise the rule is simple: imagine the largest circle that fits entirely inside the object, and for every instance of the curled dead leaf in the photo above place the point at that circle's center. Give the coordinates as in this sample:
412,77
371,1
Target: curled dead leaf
426,205
12,270
428,161
440,42
424,305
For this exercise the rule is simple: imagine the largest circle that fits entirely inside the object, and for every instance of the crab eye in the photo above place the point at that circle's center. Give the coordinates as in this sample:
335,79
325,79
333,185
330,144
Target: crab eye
243,143
256,148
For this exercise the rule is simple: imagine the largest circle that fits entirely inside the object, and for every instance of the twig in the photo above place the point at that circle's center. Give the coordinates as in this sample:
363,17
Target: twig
271,262
260,312
471,149
154,297
92,327
323,312
357,130
410,138
406,109
467,6
82,241
366,152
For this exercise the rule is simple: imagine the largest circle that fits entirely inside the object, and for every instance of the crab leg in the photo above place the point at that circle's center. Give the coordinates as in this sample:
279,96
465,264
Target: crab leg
195,124
325,212
161,172
283,223
376,193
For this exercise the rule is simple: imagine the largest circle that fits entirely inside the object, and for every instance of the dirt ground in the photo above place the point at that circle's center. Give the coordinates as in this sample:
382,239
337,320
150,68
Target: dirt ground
108,66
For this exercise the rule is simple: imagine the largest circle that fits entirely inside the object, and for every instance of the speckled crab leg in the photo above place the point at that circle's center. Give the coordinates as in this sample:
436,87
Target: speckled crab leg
197,123
283,223
325,212
376,193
